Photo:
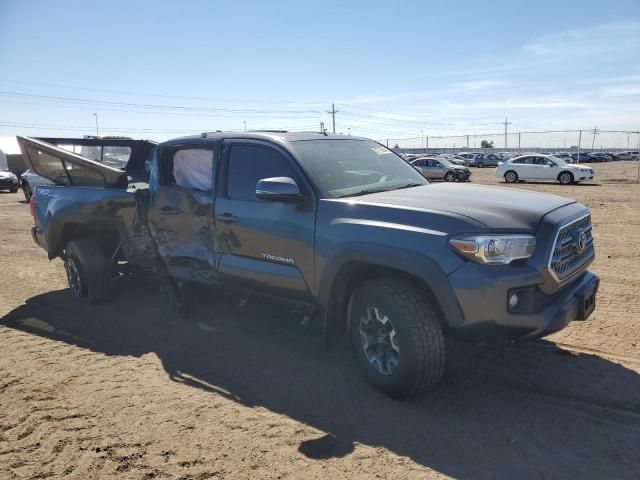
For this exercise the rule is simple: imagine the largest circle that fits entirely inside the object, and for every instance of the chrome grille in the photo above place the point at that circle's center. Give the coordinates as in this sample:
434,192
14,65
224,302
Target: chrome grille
566,257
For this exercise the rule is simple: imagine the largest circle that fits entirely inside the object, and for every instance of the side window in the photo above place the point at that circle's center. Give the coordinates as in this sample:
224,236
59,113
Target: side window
250,163
48,166
419,163
190,168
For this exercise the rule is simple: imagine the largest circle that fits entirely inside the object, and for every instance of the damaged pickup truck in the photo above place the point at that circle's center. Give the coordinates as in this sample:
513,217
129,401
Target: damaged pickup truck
339,225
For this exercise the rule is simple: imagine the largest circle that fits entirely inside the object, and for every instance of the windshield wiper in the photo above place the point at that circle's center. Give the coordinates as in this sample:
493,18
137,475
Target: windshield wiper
367,191
410,185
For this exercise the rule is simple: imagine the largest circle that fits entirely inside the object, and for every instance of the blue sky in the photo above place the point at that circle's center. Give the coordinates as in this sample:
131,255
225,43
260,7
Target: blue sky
394,69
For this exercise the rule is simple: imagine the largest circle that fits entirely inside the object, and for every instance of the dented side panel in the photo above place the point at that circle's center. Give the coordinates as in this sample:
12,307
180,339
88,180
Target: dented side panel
181,222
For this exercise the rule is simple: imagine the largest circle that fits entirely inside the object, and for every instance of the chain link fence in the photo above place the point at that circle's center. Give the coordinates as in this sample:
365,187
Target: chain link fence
587,140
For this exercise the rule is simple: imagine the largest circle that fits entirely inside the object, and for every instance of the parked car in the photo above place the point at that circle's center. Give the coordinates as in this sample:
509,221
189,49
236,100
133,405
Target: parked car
441,169
543,168
9,181
339,226
119,152
486,160
455,159
628,155
583,157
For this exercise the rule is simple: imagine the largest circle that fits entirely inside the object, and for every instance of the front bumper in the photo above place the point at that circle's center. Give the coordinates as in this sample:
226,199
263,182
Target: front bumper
483,300
8,184
462,175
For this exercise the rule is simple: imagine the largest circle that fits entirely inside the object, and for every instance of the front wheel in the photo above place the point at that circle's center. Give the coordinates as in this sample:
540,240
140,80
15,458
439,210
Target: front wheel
511,177
26,190
396,336
449,177
89,270
565,178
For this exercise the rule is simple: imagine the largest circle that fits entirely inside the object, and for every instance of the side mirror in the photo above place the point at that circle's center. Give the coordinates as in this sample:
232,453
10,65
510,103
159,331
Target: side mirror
283,189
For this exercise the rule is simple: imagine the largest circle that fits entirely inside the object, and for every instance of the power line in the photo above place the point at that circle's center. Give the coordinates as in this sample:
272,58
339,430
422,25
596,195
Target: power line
145,105
183,97
160,112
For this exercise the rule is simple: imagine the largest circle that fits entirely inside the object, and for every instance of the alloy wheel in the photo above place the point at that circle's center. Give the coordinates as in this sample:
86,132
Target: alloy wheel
379,341
73,277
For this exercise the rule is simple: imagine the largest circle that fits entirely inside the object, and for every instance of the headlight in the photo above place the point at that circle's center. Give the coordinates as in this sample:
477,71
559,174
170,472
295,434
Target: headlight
494,249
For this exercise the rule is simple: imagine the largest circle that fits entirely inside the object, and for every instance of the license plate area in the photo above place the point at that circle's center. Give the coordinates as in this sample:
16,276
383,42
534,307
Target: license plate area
586,298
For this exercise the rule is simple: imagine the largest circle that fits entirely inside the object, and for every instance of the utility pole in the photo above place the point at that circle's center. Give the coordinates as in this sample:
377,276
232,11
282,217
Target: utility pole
506,123
519,139
349,128
467,142
333,112
245,125
579,144
97,131
595,132
427,147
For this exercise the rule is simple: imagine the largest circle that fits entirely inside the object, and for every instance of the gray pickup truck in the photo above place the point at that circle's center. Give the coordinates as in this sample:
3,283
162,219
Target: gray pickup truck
338,225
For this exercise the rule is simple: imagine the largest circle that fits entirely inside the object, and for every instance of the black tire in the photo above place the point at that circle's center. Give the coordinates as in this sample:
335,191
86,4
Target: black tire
13,190
565,178
26,190
449,177
89,271
510,176
416,336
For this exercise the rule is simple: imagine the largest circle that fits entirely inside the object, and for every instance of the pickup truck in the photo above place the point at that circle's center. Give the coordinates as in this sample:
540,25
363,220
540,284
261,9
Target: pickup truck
339,225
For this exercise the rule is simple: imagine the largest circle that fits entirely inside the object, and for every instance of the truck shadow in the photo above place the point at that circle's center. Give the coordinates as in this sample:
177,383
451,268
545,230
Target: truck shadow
520,411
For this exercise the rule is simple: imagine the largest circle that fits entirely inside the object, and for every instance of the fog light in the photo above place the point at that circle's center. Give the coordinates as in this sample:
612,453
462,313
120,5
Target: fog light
513,301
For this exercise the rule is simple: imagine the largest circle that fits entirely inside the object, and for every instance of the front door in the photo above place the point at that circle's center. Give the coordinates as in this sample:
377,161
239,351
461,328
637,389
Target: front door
265,246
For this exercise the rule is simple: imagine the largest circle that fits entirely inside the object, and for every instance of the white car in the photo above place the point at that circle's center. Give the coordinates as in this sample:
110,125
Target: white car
628,155
542,168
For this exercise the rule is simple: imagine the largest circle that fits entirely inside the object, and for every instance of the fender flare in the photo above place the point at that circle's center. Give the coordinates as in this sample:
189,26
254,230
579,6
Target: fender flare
404,261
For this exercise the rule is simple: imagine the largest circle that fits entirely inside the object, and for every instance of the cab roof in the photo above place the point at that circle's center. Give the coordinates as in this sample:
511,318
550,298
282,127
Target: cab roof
271,135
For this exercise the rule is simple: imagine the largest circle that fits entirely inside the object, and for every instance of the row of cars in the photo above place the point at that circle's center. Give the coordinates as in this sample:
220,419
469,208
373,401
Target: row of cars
520,168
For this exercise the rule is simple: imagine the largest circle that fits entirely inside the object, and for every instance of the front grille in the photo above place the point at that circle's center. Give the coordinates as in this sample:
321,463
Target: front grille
566,257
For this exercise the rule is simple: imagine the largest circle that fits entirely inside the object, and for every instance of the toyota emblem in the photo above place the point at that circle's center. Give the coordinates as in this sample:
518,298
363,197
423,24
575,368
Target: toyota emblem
581,242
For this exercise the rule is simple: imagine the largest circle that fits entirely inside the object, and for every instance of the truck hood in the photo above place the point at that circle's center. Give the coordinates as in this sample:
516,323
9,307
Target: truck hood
500,209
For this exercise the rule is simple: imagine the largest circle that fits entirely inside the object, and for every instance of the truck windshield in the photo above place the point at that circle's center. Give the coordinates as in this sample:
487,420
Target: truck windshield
355,167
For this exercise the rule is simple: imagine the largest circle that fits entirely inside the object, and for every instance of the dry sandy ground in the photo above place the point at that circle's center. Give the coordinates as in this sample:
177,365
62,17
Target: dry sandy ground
131,390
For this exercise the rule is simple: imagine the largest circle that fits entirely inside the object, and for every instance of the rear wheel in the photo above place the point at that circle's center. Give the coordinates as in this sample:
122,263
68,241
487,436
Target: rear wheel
511,177
89,271
565,178
396,336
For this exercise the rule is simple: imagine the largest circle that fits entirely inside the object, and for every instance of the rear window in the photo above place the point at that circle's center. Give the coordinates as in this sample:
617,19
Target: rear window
115,156
65,172
49,166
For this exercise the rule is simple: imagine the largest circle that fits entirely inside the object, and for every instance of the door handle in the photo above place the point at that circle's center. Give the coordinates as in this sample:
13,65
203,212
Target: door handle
227,217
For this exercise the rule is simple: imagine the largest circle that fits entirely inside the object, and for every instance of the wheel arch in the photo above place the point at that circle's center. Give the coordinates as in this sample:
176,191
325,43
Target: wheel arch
362,262
573,177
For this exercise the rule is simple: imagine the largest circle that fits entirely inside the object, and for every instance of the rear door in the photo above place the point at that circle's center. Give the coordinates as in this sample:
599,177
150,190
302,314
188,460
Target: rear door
67,168
181,209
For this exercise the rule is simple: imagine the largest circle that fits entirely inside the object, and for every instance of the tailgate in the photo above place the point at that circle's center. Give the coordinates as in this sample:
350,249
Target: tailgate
67,168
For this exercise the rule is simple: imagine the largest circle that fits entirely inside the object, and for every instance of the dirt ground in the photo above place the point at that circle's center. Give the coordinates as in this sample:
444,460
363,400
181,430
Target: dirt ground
130,389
